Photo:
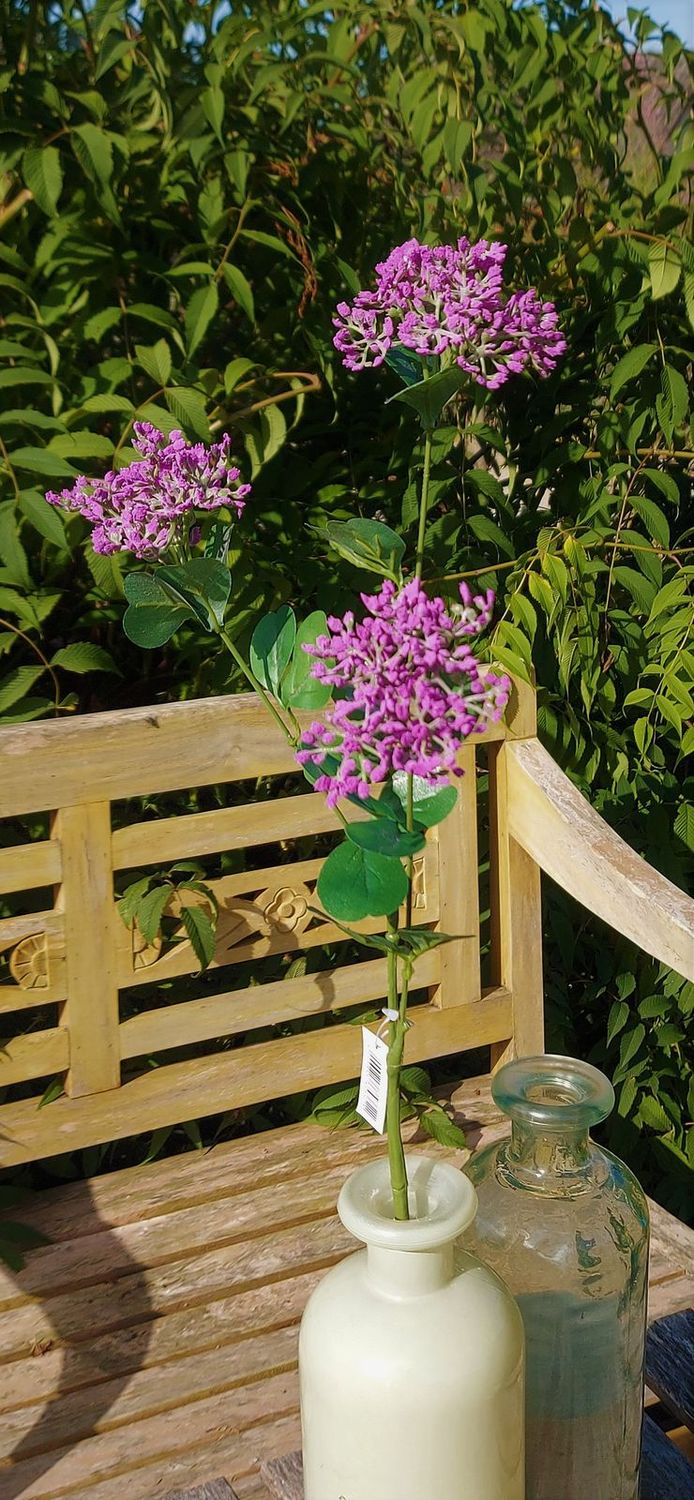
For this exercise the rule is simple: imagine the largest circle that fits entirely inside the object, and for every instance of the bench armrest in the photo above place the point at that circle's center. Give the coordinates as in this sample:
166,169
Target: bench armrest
559,829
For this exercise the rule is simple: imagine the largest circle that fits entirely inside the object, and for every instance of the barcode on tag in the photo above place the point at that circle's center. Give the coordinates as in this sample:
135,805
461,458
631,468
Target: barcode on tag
373,1083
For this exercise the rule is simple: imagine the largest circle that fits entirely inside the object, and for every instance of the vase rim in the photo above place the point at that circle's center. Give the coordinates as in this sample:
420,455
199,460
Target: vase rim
554,1092
443,1199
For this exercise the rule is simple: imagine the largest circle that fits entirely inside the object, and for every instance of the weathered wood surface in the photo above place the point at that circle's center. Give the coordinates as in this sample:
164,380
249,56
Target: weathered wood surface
217,1490
151,1346
566,837
670,1364
284,1477
665,1472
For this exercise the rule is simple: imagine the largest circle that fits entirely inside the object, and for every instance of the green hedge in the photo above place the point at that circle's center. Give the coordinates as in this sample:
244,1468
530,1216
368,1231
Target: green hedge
187,195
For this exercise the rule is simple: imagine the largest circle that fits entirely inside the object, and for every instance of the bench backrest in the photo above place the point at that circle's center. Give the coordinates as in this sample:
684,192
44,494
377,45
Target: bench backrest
68,961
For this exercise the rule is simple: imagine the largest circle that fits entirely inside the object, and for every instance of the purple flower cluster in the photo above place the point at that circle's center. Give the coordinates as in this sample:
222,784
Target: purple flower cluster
437,298
415,689
140,509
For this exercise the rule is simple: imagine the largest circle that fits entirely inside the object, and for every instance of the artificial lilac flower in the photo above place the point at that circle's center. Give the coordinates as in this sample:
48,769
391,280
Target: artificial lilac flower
439,299
139,509
415,689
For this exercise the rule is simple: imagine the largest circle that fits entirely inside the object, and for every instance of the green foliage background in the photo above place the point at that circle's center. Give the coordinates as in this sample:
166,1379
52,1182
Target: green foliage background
186,192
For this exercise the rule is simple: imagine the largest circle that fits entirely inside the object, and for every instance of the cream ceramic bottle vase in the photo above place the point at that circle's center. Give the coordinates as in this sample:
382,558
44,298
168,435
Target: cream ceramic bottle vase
566,1225
411,1354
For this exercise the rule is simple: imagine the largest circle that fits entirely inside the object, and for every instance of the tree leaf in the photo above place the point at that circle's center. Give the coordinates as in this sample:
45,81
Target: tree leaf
370,545
199,314
629,366
354,884
84,656
17,685
617,1019
43,175
240,290
149,911
406,364
43,461
438,1125
664,269
272,644
188,407
200,929
94,152
156,360
151,618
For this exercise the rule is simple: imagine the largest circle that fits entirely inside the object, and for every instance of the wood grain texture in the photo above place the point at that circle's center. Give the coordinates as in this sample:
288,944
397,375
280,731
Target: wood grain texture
29,866
85,898
37,1054
284,1477
135,751
563,834
670,1364
516,922
218,1489
187,1090
458,894
162,839
665,1473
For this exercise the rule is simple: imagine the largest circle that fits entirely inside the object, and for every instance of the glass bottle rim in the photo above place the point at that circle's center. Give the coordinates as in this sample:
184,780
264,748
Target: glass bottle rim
554,1092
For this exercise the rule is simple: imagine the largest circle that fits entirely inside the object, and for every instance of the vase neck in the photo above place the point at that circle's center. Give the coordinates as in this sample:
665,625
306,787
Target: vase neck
410,1273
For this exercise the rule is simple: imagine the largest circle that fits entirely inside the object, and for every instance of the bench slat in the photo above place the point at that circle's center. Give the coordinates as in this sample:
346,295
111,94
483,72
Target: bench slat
670,1364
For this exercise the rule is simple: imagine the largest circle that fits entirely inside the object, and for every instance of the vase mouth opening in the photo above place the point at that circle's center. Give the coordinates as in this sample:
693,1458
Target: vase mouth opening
556,1093
442,1204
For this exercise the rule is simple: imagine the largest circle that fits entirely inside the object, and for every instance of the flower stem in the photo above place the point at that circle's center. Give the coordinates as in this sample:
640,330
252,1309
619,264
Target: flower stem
255,683
396,1150
423,503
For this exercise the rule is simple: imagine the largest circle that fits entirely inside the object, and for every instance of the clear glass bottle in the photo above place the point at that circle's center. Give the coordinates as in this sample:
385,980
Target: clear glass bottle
565,1224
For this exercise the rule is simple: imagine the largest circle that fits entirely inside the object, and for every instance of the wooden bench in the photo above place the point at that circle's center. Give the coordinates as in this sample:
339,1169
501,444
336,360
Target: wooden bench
151,1345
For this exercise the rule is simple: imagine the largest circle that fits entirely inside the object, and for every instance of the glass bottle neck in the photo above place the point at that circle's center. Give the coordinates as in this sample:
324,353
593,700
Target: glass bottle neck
561,1163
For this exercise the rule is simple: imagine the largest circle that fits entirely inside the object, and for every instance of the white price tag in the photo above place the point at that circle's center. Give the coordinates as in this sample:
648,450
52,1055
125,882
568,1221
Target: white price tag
373,1083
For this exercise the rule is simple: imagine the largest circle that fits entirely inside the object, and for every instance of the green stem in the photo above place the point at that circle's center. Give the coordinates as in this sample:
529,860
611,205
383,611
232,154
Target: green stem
255,683
396,1150
423,503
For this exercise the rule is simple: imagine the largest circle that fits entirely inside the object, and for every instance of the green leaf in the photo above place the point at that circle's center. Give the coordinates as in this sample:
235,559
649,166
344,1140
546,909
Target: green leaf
272,644
42,516
200,929
156,360
406,364
299,689
430,396
43,461
83,656
651,1113
188,407
203,585
653,518
664,268
354,884
150,909
267,438
151,618
367,544
430,806
631,1041
43,175
386,837
212,103
240,290
617,1019
23,375
688,286
80,445
629,366
486,530
676,394
199,314
684,825
12,553
17,685
94,152
129,901
235,371
665,483
438,1125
